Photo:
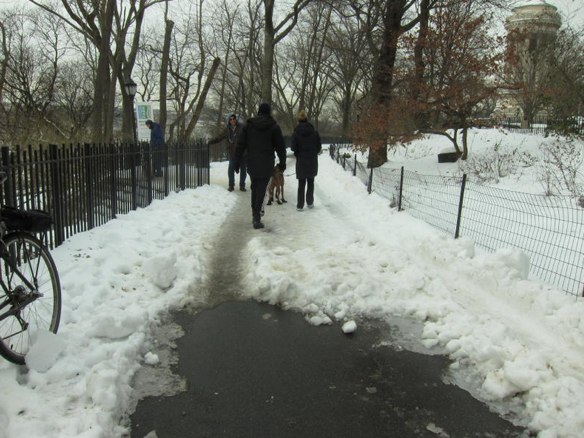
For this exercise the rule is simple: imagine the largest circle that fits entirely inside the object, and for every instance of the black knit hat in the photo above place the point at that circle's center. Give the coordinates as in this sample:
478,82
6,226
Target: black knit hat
264,108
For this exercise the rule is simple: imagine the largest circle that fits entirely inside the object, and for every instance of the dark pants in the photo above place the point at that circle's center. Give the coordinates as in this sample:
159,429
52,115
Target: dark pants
258,192
157,158
231,173
305,184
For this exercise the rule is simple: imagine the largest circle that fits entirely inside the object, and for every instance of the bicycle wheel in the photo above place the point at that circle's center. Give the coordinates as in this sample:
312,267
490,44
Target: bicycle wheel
27,271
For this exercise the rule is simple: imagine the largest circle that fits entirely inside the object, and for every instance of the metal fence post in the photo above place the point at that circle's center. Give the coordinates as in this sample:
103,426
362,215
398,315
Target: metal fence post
459,215
8,196
182,166
113,178
149,175
370,182
88,159
56,193
355,166
134,159
401,188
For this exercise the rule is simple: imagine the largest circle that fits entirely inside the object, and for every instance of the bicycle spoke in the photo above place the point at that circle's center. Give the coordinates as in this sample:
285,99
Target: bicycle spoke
31,290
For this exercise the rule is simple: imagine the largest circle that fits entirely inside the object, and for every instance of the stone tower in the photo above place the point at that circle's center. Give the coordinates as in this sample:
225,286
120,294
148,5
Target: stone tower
531,28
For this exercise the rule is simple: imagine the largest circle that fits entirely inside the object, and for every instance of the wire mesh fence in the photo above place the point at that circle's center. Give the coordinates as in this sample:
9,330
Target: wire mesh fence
548,229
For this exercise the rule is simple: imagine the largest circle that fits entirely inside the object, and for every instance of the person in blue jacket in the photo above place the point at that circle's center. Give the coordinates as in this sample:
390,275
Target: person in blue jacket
157,146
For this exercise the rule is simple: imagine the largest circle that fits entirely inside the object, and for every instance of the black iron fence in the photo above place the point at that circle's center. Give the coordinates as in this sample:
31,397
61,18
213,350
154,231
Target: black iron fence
549,229
542,125
84,186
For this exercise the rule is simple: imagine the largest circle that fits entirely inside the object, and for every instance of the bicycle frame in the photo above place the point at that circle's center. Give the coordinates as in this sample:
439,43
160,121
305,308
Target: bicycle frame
30,297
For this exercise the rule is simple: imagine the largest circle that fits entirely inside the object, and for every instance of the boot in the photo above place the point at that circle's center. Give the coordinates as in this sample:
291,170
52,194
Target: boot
257,223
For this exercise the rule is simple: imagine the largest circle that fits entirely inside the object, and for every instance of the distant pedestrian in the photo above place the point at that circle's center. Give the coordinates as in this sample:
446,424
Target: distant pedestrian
230,134
156,145
260,137
306,146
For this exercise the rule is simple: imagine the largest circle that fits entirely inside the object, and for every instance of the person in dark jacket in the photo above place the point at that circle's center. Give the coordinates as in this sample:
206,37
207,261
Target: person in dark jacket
306,146
231,134
260,137
156,145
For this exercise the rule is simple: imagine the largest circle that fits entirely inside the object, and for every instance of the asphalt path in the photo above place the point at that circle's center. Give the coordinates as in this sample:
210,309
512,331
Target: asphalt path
239,368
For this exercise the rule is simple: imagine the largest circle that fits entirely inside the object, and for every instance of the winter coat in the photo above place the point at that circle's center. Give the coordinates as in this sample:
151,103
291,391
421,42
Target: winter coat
230,134
306,146
156,136
259,138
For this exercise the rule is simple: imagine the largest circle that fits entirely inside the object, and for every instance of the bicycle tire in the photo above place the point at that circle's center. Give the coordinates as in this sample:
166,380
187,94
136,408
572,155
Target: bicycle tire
34,261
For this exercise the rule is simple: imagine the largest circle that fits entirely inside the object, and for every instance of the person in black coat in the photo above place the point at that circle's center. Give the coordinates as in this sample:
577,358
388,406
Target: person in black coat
258,140
306,146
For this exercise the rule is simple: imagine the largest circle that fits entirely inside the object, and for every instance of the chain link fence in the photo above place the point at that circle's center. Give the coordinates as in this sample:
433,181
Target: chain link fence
549,229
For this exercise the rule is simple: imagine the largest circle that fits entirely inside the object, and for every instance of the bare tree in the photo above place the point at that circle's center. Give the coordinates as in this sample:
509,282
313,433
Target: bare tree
224,30
273,34
301,79
29,77
349,67
568,70
107,25
384,22
190,75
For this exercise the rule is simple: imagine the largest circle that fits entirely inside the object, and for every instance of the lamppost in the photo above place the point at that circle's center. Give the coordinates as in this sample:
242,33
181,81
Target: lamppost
131,89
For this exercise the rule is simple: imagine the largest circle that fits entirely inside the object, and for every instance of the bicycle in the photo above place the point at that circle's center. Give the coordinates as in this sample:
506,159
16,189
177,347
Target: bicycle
30,290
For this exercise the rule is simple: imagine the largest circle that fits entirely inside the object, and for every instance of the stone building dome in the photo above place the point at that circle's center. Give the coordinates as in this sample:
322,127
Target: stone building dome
534,15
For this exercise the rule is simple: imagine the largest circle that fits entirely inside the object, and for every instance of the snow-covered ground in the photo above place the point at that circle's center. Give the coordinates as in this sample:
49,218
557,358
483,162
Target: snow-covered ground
518,343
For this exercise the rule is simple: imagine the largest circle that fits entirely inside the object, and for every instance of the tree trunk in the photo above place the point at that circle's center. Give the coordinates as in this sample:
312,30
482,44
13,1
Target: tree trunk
382,83
268,58
201,102
420,118
220,121
164,73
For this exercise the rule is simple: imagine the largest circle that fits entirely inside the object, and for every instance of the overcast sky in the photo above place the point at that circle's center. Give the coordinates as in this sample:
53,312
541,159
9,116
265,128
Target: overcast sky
571,10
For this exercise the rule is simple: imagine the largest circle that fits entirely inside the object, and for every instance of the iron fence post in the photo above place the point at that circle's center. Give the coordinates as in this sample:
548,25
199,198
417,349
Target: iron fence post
401,188
8,191
88,159
149,175
183,167
370,182
113,190
459,215
355,166
56,193
134,148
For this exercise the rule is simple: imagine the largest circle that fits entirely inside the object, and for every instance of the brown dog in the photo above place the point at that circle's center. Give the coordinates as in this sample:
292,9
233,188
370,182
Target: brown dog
277,185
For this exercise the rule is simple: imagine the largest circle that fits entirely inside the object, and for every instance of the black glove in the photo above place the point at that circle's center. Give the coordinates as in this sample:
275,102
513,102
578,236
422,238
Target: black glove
282,167
236,169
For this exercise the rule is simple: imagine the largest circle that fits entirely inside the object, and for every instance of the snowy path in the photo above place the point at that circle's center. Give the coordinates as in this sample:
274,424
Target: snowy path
350,258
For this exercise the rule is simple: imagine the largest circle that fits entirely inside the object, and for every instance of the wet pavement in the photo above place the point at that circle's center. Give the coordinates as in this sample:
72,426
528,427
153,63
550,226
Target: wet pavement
245,369
254,370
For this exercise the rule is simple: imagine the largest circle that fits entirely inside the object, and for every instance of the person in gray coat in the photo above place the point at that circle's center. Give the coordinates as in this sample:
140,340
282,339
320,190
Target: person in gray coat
260,137
306,146
230,134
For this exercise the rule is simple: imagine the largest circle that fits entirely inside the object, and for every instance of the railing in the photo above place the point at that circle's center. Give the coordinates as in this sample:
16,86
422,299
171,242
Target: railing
543,125
84,186
549,229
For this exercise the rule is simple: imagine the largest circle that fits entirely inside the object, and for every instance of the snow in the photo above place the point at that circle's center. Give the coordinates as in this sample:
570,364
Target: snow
518,344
